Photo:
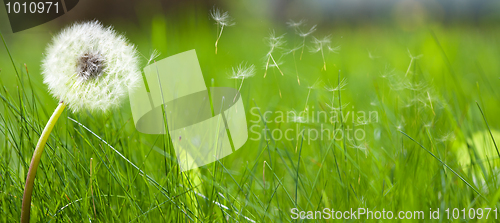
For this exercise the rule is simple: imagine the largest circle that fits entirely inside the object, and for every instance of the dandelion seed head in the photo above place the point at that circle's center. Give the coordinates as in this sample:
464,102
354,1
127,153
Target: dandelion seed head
89,66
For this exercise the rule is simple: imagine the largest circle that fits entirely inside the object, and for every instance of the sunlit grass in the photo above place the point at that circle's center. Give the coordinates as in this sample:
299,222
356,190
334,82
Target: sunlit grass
409,160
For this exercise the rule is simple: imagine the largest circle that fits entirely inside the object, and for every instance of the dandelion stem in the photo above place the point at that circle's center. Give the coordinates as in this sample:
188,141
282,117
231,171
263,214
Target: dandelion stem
276,64
239,89
323,56
35,161
267,66
305,110
218,37
303,46
296,70
277,84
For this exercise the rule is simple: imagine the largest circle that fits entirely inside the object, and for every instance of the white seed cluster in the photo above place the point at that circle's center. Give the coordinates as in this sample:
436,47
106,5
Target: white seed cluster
91,67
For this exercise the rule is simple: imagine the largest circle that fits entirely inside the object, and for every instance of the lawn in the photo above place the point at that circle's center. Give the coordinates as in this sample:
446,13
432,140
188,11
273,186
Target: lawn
400,120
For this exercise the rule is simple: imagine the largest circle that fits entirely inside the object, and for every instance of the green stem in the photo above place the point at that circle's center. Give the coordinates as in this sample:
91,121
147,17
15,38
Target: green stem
30,179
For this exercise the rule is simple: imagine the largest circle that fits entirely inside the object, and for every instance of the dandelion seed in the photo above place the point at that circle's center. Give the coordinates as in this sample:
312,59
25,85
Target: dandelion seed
316,85
412,58
297,117
339,87
334,49
222,19
388,73
337,108
155,54
401,124
278,63
241,72
294,61
399,127
430,102
295,25
354,146
274,42
376,133
417,86
320,45
450,136
304,35
361,123
371,56
428,124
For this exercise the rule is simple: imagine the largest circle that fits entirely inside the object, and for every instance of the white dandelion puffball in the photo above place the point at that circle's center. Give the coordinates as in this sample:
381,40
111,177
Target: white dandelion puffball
88,66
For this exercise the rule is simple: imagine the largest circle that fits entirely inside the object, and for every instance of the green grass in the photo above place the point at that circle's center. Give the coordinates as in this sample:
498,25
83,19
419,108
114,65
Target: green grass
432,147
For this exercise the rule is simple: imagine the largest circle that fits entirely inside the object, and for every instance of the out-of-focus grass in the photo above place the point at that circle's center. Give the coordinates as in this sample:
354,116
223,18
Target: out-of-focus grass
133,177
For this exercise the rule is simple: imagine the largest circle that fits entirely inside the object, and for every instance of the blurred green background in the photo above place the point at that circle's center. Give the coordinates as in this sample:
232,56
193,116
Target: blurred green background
424,66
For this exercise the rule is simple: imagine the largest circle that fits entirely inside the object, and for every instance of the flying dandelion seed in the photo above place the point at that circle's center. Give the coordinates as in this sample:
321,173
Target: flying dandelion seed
242,72
87,66
304,35
155,54
320,45
371,56
412,58
274,42
295,25
450,136
337,108
339,87
297,117
316,85
222,19
335,50
292,51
